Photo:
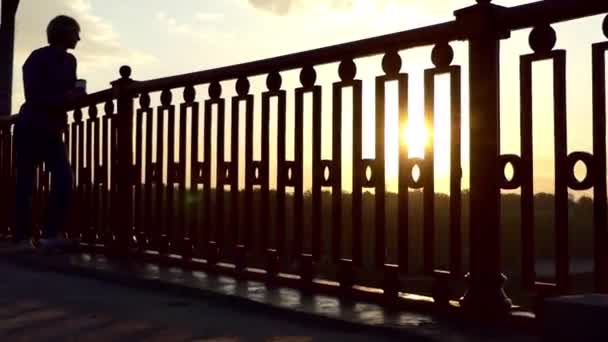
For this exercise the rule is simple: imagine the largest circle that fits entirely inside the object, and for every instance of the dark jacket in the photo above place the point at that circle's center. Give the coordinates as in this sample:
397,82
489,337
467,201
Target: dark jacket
48,74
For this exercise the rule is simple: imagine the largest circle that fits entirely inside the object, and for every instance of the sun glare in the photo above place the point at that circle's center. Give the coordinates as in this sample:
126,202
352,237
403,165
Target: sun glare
416,137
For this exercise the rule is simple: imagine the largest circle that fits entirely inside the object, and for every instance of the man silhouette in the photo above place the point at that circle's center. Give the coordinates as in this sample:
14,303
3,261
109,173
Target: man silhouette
49,79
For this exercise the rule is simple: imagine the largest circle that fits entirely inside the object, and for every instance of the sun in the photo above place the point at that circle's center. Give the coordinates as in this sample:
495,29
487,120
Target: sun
416,137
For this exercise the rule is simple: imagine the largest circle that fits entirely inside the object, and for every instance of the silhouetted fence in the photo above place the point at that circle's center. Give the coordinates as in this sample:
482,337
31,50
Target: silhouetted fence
158,182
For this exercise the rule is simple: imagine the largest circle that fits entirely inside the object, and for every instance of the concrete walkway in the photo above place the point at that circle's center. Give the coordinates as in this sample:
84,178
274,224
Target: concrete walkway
45,306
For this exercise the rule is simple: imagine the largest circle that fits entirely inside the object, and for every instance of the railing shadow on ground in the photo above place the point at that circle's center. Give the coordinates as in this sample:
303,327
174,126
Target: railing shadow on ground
159,181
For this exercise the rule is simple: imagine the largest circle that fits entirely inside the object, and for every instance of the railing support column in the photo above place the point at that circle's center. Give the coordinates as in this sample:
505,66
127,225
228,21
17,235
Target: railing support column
122,173
485,295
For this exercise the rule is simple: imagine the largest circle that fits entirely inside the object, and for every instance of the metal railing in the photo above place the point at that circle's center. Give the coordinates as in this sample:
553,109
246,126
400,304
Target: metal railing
142,191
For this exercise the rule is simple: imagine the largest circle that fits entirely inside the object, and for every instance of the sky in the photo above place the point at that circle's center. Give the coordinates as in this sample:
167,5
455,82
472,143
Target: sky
158,38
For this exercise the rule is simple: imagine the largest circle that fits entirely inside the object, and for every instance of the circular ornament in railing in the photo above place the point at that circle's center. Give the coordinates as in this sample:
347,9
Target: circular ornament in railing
215,90
108,108
274,81
326,172
542,39
417,183
391,63
78,115
166,97
515,162
605,26
144,100
308,76
125,71
93,113
442,55
242,86
571,161
189,94
347,70
368,173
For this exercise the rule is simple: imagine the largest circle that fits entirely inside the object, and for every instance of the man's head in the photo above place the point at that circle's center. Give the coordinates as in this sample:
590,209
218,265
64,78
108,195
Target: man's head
63,32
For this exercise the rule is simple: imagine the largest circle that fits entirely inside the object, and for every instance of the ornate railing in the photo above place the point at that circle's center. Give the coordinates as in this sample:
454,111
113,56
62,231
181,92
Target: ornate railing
143,190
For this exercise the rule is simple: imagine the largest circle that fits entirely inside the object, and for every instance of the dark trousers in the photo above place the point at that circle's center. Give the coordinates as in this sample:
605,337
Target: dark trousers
34,146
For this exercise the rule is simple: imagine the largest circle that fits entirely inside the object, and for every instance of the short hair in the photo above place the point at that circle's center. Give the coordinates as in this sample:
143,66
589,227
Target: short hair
59,27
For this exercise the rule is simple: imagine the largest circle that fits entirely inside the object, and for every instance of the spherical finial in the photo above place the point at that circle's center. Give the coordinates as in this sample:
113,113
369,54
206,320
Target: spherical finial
125,72
274,81
347,70
242,86
189,94
166,97
442,55
605,26
391,63
108,108
93,111
542,39
78,115
215,90
308,76
144,100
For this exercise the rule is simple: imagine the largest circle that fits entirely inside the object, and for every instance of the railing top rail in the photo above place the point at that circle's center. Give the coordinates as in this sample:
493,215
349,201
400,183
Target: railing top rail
93,98
551,11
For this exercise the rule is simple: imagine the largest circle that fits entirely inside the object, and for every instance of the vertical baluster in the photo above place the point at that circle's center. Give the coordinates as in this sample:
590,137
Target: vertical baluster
428,174
88,228
137,181
307,79
599,151
217,237
172,232
283,177
561,175
246,239
212,220
379,176
3,183
391,65
456,175
150,179
94,131
198,177
105,185
80,178
527,190
162,201
185,219
442,57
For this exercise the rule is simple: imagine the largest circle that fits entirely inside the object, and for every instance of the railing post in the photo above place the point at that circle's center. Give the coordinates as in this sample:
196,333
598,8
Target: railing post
122,164
485,295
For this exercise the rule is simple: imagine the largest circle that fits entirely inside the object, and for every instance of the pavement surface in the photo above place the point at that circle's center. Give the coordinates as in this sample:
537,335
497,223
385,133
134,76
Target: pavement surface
46,306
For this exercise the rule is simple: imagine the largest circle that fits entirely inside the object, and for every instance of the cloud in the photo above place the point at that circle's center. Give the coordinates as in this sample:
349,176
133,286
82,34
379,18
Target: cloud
284,7
196,31
208,17
100,53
